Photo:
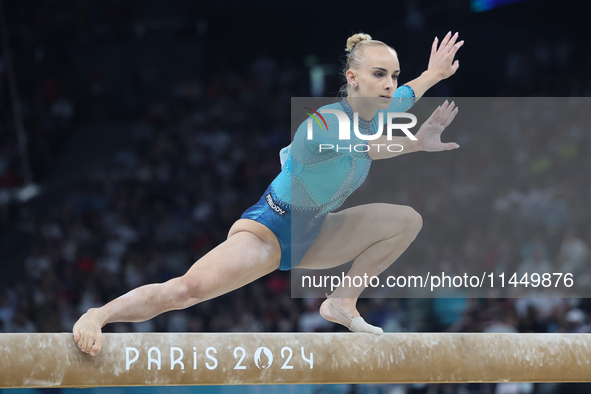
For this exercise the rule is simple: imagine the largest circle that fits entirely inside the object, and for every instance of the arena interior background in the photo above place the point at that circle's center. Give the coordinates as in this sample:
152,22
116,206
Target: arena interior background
150,126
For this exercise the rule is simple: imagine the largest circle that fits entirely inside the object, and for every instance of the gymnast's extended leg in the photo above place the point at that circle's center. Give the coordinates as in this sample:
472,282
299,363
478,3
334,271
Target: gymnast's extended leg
251,251
373,235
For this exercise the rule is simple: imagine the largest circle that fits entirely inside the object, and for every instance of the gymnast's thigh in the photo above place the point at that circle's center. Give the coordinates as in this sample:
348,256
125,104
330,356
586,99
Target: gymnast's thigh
343,236
348,233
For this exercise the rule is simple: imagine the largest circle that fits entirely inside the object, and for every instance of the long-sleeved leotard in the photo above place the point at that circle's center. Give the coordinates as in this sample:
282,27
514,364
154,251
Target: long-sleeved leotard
314,182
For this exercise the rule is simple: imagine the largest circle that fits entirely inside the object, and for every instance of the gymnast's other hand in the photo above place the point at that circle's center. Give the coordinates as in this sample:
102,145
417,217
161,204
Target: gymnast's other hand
429,134
87,332
441,61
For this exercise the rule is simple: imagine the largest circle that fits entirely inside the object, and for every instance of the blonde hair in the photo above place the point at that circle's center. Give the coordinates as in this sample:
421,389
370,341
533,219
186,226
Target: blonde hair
356,45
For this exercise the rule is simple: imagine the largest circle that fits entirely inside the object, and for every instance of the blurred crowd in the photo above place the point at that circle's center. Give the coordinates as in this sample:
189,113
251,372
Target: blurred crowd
513,198
204,152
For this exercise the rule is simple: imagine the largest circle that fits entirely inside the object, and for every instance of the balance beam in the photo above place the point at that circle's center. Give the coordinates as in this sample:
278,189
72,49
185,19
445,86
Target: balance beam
54,360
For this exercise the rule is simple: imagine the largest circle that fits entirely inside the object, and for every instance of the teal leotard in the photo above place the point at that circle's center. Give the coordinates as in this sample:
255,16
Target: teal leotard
313,182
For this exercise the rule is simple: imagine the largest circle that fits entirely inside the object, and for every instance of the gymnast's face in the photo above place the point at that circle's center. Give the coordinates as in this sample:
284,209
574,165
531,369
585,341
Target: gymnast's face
377,76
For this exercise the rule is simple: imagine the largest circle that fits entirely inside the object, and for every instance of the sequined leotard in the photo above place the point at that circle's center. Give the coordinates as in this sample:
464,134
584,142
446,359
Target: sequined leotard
314,182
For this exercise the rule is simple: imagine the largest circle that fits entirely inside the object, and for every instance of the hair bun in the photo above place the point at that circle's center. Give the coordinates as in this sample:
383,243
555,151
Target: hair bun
356,39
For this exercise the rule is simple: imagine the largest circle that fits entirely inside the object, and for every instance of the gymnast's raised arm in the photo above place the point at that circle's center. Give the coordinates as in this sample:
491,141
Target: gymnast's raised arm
441,65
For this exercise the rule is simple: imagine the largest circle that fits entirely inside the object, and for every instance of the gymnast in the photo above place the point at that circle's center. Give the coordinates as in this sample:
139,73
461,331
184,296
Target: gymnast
312,184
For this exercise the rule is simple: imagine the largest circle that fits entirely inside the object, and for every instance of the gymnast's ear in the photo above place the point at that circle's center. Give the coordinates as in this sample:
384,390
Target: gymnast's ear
351,76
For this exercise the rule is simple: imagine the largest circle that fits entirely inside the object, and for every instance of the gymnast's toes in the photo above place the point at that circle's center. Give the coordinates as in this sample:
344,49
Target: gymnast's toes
98,343
86,343
85,340
91,343
79,336
359,325
87,333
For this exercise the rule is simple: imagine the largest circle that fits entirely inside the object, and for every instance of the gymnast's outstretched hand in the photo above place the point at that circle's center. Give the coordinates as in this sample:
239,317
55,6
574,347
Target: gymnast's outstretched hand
87,332
429,134
441,61
441,64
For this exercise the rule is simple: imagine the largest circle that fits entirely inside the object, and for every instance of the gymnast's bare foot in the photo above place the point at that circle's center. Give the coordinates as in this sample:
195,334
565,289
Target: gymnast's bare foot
343,311
87,332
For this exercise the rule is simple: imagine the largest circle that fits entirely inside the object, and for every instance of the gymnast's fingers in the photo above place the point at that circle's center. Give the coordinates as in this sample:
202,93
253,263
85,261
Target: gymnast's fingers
450,44
434,47
455,48
441,114
450,146
450,117
449,110
444,42
435,114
